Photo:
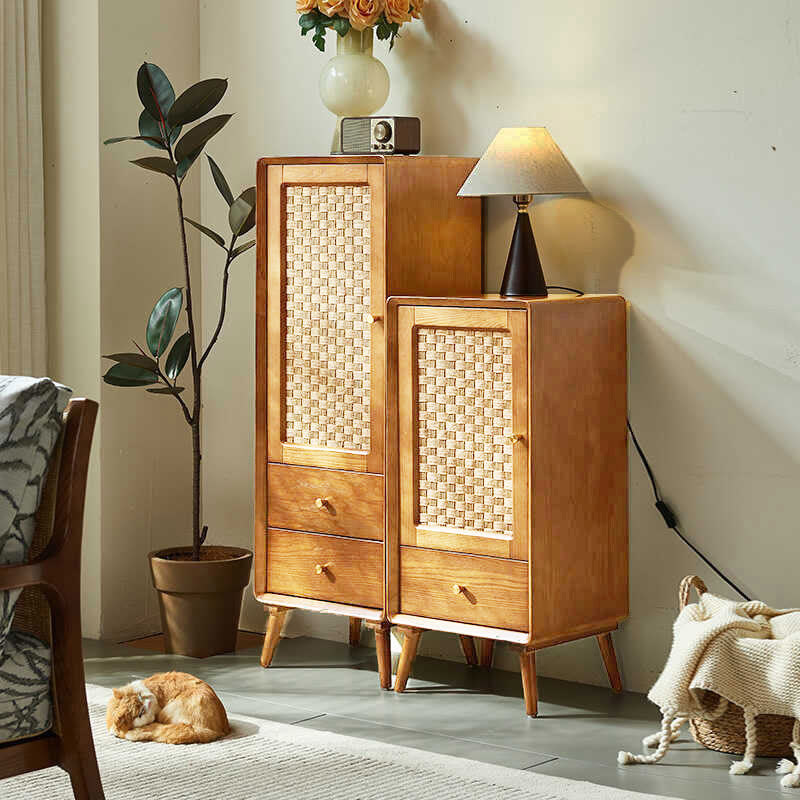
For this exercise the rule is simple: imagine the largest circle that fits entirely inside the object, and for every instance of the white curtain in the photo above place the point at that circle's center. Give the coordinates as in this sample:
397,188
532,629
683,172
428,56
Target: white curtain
23,337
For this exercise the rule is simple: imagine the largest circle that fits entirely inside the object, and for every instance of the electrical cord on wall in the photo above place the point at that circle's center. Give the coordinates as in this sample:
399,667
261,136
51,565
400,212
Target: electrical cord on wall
667,514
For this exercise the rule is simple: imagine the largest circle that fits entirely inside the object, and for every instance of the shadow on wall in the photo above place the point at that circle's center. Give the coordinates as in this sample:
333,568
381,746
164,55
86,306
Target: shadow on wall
458,57
582,243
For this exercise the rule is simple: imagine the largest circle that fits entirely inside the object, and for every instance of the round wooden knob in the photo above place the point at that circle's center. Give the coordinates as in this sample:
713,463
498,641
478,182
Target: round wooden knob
457,588
320,568
514,438
373,318
321,502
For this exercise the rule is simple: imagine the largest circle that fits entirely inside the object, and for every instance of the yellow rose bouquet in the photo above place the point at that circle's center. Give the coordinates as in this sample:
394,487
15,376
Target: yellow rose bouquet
385,16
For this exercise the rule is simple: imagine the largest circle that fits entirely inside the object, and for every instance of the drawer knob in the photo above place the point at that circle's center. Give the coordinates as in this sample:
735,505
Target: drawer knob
372,318
320,568
514,438
458,588
321,503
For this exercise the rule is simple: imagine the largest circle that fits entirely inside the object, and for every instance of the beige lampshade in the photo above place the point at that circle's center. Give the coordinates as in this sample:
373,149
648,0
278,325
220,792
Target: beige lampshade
522,161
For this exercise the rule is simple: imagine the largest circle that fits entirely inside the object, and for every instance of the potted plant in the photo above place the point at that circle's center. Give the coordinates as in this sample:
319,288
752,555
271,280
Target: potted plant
199,587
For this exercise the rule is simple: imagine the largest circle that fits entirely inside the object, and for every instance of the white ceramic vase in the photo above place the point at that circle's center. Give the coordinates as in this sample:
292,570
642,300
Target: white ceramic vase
353,83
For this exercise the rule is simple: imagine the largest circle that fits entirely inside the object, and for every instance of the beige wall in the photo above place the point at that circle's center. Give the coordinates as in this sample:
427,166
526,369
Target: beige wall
682,120
112,250
72,236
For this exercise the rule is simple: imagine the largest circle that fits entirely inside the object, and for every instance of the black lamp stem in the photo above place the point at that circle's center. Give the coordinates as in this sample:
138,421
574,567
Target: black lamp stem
523,275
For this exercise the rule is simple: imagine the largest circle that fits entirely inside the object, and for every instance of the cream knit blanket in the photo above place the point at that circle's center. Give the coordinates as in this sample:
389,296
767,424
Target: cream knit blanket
745,652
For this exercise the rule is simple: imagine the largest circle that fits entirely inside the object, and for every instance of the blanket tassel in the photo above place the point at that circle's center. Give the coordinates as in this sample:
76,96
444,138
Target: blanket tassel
670,725
790,771
751,745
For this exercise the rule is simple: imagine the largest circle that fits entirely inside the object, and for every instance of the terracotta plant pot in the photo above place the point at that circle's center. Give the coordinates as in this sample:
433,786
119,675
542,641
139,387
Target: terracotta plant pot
200,600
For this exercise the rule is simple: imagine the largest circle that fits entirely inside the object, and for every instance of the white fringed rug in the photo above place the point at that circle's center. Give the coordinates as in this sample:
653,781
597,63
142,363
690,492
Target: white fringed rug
262,760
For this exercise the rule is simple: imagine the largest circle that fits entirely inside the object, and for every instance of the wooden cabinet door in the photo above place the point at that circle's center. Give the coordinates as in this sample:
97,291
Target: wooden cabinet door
463,429
325,300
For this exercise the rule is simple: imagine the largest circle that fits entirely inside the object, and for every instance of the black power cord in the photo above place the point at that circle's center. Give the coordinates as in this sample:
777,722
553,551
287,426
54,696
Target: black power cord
671,520
667,514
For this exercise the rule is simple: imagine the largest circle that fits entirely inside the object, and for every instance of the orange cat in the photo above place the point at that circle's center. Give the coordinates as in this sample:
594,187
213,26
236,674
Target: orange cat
170,707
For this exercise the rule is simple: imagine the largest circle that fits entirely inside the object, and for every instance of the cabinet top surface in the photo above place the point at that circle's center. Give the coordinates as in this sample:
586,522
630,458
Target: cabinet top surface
498,301
358,159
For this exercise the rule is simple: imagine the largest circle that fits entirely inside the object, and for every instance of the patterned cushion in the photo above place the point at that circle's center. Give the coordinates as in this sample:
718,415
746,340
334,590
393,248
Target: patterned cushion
25,704
30,423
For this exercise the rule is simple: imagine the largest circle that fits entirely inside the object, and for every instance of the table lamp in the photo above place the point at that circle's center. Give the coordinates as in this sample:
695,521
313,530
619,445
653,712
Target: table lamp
522,162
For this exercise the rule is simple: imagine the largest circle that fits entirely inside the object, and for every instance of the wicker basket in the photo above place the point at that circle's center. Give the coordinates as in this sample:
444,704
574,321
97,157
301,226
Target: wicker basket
726,733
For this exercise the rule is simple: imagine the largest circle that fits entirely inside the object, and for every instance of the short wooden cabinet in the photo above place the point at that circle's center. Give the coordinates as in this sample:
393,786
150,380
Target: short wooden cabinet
507,473
336,236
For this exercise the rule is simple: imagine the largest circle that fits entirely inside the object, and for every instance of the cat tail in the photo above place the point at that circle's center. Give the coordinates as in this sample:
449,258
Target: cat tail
173,733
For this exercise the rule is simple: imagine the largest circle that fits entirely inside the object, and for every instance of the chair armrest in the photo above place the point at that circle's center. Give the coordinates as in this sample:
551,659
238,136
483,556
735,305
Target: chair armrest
17,576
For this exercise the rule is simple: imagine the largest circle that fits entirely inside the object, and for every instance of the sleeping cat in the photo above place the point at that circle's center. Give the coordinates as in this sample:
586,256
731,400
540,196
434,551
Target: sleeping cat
169,707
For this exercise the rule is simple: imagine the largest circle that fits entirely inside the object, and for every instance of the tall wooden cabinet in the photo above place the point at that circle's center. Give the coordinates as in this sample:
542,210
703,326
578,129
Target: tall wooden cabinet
507,473
336,237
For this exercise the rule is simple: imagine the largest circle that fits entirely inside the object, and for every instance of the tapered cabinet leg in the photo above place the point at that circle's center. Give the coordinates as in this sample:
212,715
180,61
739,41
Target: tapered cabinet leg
409,652
527,668
610,660
487,652
468,648
273,635
383,650
355,631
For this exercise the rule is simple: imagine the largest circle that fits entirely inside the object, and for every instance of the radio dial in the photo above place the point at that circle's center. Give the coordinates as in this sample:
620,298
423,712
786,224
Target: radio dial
383,131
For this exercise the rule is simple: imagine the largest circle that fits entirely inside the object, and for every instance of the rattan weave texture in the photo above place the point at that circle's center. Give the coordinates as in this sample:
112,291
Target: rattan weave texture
327,300
464,416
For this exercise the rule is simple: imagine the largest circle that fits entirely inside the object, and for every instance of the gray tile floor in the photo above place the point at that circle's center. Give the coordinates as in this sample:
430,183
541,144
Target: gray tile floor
453,709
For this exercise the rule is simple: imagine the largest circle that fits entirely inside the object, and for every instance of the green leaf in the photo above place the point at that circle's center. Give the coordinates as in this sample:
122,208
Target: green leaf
213,235
185,164
134,360
341,25
197,101
176,360
241,249
155,91
149,127
166,390
319,41
125,375
308,21
155,164
132,138
219,179
163,317
242,214
195,139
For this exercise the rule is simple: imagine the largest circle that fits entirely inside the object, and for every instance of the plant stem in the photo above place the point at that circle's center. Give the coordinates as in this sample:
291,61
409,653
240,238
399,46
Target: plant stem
223,303
196,375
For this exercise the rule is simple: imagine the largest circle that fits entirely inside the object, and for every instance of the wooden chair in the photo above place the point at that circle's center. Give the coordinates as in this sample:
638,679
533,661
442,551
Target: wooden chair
50,608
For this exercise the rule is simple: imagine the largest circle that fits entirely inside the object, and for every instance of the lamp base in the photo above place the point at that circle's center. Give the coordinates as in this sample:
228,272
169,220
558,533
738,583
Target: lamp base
523,275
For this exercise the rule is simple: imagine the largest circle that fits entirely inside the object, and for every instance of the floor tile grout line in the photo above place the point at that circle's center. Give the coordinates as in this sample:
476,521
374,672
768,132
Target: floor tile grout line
438,735
301,721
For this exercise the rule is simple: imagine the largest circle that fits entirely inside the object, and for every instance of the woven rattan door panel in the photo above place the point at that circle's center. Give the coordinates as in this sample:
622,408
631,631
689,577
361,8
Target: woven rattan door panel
326,281
463,430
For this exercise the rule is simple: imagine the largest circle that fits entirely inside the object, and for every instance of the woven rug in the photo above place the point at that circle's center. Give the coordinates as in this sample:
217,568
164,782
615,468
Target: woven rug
264,760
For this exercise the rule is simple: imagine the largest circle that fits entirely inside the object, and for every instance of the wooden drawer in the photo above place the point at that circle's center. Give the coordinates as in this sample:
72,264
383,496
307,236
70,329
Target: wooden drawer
493,591
325,567
325,501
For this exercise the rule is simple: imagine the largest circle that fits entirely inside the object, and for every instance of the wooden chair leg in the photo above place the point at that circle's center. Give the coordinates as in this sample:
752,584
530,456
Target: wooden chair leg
273,634
383,650
355,631
77,754
610,660
487,652
409,652
527,668
468,648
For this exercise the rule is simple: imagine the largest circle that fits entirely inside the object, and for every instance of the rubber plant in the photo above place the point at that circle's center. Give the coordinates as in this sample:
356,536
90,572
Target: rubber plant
159,367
